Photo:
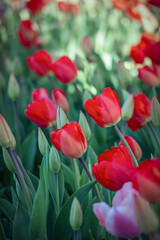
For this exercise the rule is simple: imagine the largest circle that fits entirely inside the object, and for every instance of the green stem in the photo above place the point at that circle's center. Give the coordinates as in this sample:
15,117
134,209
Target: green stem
126,145
28,181
75,235
21,180
154,134
16,117
91,179
57,192
76,172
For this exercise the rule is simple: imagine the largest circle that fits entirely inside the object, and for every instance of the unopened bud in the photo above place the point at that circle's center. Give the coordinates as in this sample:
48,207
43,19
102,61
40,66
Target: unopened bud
76,215
61,118
54,160
155,111
84,125
13,88
79,62
17,66
127,108
7,160
42,142
145,215
87,95
6,137
123,74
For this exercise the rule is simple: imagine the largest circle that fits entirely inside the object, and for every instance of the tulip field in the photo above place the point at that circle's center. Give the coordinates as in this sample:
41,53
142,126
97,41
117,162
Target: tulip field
79,119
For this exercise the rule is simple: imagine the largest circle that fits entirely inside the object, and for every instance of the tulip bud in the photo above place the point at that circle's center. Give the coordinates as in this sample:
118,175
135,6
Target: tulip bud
127,108
13,88
146,217
87,95
2,82
86,45
17,66
76,215
155,111
7,160
84,125
79,62
54,160
123,74
42,141
61,118
6,137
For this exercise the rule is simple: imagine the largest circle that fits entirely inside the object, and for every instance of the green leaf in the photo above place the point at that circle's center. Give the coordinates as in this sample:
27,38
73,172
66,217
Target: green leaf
62,226
21,224
29,150
8,209
68,177
14,197
37,228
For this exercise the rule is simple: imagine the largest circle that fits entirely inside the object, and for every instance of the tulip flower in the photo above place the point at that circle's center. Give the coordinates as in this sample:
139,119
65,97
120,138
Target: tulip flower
147,179
70,140
35,6
60,99
119,220
105,108
150,76
138,52
123,4
114,168
154,2
39,93
27,35
68,7
153,52
42,112
64,70
40,62
141,112
136,149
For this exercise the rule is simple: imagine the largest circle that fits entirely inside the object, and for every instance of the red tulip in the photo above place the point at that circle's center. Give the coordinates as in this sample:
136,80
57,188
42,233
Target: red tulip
149,76
70,140
68,7
39,93
147,179
136,149
138,52
153,52
123,4
114,168
105,108
40,62
154,2
60,99
35,6
27,35
64,69
42,112
141,112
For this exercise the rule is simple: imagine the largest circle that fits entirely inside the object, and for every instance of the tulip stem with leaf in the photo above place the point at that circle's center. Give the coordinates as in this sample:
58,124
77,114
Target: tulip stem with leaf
126,145
28,181
76,172
21,180
57,192
91,178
